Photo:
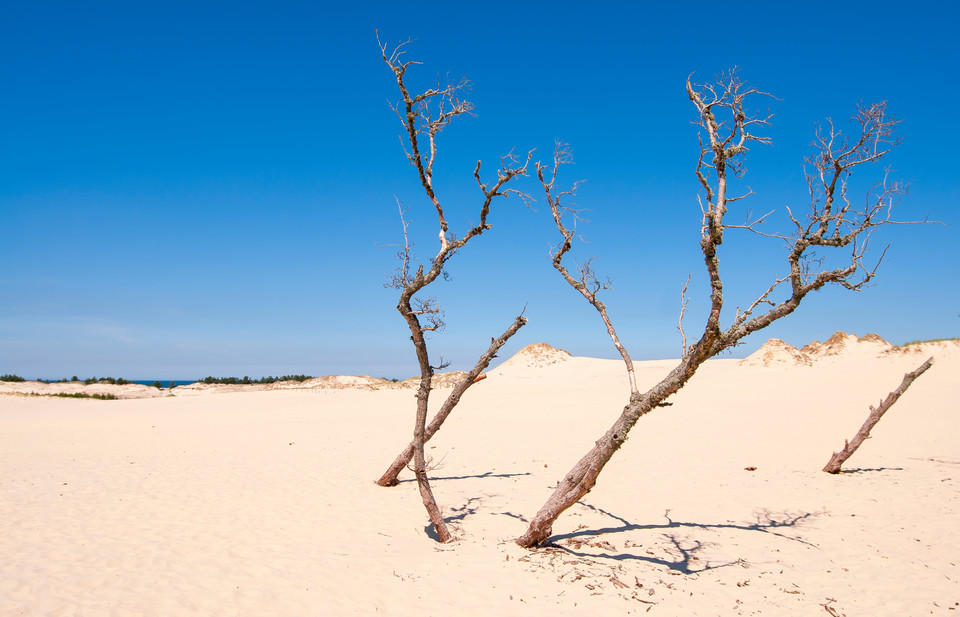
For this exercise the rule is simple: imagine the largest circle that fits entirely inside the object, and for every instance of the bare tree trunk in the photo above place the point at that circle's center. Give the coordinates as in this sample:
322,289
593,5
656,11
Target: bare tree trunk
420,464
582,478
849,447
423,400
389,477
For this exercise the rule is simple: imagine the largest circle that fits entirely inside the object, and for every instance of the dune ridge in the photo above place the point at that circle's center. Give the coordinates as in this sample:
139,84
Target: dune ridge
773,353
840,344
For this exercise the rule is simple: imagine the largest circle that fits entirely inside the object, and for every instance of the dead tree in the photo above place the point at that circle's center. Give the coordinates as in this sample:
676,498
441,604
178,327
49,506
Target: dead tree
833,223
849,447
424,116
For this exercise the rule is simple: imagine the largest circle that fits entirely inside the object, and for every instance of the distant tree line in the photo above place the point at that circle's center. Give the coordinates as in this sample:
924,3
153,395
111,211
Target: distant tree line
74,378
246,380
118,381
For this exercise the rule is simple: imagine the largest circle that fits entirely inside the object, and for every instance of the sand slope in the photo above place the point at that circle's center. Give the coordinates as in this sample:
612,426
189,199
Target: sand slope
262,502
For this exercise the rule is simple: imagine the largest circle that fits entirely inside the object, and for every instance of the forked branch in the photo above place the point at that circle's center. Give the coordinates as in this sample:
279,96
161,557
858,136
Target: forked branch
587,282
727,129
833,220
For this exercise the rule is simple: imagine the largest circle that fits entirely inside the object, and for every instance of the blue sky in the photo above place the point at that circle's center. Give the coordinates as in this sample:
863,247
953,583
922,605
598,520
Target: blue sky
208,188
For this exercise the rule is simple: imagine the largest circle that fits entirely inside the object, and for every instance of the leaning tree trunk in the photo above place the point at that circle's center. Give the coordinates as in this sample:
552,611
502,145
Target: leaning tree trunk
389,477
849,447
582,478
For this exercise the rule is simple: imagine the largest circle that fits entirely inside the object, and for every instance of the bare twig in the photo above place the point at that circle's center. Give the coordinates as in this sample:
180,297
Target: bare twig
683,309
587,282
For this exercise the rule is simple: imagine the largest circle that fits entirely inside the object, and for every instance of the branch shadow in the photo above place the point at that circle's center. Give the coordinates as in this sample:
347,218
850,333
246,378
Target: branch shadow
465,510
766,522
682,565
868,470
479,476
519,517
468,509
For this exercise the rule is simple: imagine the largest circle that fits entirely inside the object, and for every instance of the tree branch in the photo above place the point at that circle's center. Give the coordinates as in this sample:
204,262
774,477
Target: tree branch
849,447
389,477
587,283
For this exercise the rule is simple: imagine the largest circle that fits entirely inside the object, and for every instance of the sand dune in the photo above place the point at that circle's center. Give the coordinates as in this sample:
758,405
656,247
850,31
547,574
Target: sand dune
262,502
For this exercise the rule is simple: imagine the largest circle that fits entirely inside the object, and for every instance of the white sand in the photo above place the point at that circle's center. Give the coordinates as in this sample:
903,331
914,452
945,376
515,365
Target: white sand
263,502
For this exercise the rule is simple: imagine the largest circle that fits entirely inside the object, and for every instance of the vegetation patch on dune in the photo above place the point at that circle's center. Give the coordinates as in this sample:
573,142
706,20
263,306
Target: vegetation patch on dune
931,340
97,396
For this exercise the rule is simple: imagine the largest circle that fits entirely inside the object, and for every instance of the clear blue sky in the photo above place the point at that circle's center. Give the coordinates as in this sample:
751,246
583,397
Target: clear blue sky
205,188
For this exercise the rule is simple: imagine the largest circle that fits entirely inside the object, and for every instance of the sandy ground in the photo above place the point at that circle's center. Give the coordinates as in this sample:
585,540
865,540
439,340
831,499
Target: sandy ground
263,502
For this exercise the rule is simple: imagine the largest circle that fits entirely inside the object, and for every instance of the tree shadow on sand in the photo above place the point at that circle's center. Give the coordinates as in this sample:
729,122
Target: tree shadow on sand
683,564
479,476
766,522
468,509
868,470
